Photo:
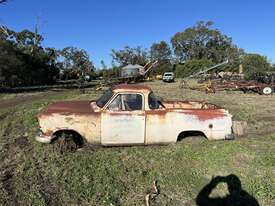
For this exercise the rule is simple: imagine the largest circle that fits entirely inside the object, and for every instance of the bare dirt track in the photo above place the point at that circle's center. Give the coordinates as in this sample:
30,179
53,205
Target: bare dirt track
24,98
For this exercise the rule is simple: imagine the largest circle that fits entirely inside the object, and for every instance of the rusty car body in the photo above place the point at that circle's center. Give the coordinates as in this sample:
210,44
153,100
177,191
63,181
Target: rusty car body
131,114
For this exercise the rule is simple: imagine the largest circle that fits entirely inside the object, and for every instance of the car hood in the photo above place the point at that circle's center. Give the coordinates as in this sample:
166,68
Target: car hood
83,107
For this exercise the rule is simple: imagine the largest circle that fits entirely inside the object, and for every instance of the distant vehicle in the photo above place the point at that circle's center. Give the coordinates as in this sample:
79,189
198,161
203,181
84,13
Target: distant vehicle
131,114
168,77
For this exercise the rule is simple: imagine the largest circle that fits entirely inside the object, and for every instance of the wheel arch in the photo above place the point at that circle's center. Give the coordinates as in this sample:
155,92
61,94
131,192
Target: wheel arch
75,135
190,133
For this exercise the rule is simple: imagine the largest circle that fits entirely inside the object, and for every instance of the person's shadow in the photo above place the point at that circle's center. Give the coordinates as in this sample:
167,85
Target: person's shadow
236,197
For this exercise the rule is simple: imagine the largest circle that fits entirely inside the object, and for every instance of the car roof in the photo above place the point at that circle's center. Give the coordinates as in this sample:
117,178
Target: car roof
131,87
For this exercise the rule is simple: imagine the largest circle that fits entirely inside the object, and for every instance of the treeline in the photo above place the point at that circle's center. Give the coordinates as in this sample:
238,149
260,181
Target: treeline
193,49
24,61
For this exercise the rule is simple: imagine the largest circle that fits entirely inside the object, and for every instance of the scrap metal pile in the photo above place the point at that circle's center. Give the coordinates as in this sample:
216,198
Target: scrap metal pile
261,83
212,86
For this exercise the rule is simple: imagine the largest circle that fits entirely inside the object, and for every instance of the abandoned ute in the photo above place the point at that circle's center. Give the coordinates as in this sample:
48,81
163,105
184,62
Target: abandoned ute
131,114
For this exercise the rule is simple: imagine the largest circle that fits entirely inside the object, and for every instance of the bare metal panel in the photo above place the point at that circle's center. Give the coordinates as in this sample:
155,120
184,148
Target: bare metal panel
122,127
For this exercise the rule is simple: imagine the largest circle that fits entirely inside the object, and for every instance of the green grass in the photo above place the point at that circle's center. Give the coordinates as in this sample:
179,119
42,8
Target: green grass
7,96
35,174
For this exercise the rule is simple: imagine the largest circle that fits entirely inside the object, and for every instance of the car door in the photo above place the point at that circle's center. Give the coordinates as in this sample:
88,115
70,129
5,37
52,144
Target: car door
123,120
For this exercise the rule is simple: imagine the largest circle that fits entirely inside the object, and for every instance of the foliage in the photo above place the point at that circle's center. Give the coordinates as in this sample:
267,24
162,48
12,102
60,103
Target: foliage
129,55
191,67
103,65
110,73
202,42
23,61
161,68
161,52
255,63
76,63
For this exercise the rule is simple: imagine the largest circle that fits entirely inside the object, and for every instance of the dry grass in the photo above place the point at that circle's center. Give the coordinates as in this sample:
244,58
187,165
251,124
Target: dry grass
34,174
257,110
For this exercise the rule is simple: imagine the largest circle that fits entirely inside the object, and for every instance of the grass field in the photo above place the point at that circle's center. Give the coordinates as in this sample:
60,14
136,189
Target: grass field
36,174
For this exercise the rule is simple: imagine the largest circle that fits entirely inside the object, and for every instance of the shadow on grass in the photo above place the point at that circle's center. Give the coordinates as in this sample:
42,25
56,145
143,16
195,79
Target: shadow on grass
237,196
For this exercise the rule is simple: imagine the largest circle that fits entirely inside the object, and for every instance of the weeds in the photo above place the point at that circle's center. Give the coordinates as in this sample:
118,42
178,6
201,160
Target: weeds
33,174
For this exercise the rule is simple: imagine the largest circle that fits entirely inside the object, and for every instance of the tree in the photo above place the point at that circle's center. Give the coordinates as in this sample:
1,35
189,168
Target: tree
76,61
201,42
161,52
255,63
29,41
103,65
129,55
9,64
23,61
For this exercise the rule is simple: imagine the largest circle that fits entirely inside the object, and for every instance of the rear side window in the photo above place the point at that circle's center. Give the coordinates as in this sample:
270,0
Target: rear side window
153,101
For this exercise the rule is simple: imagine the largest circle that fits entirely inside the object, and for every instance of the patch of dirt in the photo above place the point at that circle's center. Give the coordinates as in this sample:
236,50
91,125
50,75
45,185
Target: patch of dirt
22,142
241,159
268,118
7,180
4,115
25,98
7,130
50,193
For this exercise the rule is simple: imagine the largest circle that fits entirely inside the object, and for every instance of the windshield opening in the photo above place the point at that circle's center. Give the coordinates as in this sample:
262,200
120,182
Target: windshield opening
104,98
168,74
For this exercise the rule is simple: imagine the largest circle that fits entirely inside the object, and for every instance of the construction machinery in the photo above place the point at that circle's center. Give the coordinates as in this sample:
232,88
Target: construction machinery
135,73
130,74
208,86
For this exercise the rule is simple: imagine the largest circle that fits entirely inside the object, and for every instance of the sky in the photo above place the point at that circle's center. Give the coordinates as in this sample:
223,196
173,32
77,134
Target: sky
98,26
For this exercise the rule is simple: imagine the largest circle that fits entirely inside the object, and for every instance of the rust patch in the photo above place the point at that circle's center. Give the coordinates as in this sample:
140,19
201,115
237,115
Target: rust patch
67,108
177,104
48,132
157,112
72,106
131,87
123,113
69,119
204,114
176,101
